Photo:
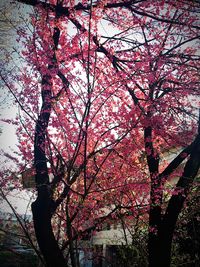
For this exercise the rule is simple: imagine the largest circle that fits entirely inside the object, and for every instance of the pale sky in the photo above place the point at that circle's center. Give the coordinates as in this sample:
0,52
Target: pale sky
8,138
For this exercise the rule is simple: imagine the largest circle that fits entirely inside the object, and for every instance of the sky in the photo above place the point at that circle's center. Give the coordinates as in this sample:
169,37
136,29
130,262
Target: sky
8,110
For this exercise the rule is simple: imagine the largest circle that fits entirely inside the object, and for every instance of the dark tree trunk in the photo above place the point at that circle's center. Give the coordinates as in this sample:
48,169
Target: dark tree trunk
159,253
153,242
42,208
160,241
44,234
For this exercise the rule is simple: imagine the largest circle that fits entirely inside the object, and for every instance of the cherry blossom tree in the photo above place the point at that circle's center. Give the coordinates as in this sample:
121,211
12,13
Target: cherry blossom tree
100,110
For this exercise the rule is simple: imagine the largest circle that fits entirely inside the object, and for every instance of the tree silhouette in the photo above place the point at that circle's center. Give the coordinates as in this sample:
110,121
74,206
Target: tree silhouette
99,112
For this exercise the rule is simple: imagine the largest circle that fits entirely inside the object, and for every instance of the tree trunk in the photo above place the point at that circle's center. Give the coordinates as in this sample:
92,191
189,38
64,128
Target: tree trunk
153,242
44,234
160,248
42,207
160,241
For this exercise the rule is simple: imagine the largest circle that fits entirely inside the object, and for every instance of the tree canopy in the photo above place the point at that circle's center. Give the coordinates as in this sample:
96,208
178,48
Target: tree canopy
106,89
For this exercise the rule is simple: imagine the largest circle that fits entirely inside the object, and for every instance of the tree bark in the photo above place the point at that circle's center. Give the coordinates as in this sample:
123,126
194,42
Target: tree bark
45,236
43,206
160,242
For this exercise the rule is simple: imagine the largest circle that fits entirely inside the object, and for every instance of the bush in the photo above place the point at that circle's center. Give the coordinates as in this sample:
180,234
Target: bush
10,259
